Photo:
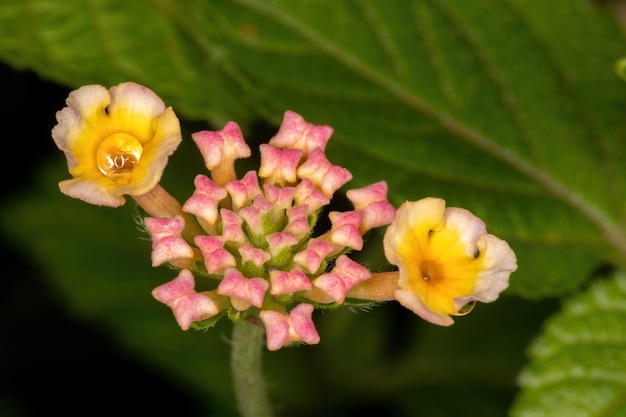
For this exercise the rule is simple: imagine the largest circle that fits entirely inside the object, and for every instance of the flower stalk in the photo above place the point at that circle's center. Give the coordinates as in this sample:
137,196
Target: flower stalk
247,370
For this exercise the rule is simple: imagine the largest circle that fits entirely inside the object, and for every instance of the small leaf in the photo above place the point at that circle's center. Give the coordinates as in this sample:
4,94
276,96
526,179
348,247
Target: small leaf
578,365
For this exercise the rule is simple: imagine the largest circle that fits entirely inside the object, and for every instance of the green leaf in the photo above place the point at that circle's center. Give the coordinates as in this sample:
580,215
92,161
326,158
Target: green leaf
487,104
578,364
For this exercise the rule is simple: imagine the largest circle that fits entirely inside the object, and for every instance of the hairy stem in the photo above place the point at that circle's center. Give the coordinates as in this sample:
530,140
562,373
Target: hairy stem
247,370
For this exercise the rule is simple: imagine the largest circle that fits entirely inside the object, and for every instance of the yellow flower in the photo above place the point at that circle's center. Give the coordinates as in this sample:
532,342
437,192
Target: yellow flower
116,142
446,260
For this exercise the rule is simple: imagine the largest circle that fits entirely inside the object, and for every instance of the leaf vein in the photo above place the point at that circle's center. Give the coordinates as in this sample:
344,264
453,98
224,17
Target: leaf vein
384,38
464,132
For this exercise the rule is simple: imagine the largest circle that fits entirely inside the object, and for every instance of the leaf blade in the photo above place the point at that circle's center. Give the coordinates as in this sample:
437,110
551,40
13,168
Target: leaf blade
426,90
577,366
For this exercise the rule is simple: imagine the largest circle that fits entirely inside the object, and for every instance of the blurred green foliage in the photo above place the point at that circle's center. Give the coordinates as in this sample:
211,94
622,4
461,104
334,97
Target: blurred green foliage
511,109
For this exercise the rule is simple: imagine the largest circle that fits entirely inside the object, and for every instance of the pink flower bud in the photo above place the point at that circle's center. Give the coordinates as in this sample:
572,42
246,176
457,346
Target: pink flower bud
287,283
167,243
372,202
296,326
278,166
222,146
280,197
326,177
311,258
256,256
205,199
216,258
231,226
243,291
345,275
345,229
186,304
297,221
256,214
242,192
280,241
306,193
296,133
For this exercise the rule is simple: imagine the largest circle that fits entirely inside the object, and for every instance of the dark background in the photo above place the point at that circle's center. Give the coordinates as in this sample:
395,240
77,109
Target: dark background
50,362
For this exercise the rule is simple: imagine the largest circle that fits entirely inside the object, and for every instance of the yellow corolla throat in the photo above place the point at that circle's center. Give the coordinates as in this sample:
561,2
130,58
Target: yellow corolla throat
438,268
109,152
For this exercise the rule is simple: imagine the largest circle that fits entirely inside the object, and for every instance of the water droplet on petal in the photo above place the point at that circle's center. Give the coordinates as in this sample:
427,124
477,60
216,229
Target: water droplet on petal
118,154
466,309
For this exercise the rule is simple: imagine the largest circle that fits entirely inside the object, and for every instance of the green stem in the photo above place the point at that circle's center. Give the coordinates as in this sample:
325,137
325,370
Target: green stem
246,366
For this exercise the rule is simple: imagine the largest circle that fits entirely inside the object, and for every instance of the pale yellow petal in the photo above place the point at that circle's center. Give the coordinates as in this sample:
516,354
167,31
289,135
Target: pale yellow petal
133,108
499,261
413,302
91,192
81,104
155,156
467,225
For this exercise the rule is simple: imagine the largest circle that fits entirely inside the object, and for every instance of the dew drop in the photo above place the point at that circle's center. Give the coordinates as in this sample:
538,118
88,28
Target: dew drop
118,154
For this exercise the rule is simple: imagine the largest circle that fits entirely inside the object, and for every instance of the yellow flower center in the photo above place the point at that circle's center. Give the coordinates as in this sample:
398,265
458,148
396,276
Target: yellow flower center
430,270
118,154
439,269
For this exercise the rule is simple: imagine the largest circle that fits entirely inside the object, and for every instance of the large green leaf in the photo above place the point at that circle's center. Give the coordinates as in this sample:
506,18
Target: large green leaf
578,364
510,108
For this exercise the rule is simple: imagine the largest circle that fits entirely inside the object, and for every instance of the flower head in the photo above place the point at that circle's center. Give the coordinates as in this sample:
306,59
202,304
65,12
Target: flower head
116,142
258,247
446,259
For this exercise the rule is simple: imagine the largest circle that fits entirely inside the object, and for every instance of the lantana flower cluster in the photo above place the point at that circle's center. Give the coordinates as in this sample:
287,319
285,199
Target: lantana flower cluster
251,246
258,242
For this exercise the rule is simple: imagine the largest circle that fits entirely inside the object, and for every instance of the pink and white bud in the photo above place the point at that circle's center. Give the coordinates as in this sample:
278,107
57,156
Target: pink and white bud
222,146
311,258
345,229
297,133
297,221
167,242
243,291
306,193
280,197
256,214
278,166
186,304
231,227
326,177
216,258
280,241
297,326
287,283
372,202
256,256
242,192
204,202
345,275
